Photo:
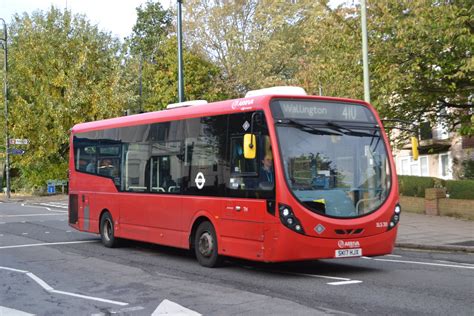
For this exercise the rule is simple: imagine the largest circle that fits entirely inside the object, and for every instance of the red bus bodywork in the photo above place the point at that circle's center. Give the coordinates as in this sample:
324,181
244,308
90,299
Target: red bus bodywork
253,234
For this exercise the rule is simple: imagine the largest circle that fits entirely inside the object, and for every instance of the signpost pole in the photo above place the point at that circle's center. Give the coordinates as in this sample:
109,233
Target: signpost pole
180,55
5,84
365,54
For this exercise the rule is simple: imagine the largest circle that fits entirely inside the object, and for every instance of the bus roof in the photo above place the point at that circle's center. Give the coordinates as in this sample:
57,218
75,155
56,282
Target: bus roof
209,109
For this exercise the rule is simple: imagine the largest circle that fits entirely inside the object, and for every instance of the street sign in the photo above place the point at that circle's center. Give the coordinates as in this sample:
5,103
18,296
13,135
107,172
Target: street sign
18,141
15,151
51,189
56,182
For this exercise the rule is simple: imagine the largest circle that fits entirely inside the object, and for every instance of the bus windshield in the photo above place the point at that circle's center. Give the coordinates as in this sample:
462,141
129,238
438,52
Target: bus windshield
336,169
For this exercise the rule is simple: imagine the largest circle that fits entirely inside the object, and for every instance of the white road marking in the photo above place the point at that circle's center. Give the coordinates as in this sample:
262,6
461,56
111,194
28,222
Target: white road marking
425,263
29,215
46,232
34,206
90,298
45,206
451,262
14,270
167,307
345,282
322,276
24,233
54,205
126,310
48,288
41,283
341,281
13,312
396,256
50,244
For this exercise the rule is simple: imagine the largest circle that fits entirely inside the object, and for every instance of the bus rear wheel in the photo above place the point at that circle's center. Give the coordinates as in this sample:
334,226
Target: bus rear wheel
107,231
205,246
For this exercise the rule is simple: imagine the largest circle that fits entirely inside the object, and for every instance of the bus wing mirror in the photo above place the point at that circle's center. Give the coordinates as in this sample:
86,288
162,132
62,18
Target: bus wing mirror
414,147
250,146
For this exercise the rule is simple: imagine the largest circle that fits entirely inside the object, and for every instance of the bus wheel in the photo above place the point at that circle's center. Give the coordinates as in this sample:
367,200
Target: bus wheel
107,231
205,246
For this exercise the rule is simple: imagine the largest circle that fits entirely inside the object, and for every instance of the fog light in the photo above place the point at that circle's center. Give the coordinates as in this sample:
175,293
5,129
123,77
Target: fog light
391,224
298,227
286,212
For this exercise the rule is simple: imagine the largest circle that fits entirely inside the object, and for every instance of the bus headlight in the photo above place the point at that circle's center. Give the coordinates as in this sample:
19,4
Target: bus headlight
395,217
289,219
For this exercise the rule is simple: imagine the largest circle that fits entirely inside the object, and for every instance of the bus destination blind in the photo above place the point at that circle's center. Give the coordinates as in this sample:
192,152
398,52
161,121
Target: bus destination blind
316,110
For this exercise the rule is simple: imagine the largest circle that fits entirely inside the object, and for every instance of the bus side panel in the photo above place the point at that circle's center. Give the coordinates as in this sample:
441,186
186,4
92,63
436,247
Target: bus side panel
152,218
195,206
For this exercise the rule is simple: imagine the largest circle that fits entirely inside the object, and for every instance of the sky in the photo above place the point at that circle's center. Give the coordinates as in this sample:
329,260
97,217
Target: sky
115,16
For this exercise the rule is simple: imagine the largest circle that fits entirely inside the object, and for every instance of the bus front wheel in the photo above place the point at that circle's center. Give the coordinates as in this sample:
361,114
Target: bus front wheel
205,246
107,231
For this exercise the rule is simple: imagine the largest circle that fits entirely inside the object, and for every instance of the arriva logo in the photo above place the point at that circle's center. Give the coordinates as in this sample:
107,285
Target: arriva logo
242,104
348,244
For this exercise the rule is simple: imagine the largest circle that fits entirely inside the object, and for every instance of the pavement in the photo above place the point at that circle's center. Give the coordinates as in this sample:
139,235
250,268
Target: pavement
416,231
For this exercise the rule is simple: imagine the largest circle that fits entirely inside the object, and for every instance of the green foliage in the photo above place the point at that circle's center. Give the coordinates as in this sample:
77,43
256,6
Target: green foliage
151,29
415,186
421,61
63,71
468,169
154,58
460,189
254,43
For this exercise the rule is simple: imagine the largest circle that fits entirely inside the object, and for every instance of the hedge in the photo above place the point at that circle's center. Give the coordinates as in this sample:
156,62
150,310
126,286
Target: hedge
415,186
460,189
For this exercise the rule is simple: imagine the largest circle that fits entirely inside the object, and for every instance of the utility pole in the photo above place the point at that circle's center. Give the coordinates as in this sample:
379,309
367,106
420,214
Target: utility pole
180,55
5,85
365,54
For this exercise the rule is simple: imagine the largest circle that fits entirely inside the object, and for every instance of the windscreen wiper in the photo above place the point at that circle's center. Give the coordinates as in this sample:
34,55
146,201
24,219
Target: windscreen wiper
348,131
308,128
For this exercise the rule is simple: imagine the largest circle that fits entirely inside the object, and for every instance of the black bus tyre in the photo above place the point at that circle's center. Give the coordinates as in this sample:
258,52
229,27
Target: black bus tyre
205,246
107,231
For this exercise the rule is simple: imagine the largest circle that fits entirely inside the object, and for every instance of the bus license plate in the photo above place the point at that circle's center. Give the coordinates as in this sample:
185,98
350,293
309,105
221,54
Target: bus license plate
344,253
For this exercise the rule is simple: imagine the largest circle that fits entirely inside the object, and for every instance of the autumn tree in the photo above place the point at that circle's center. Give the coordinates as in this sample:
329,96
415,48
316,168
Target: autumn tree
421,61
153,60
63,71
254,43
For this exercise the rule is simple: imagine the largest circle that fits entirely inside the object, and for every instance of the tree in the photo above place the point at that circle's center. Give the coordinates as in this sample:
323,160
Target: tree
421,61
63,71
254,43
153,60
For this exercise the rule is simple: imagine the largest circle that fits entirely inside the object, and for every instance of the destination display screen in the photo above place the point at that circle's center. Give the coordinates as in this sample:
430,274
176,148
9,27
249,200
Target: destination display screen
321,110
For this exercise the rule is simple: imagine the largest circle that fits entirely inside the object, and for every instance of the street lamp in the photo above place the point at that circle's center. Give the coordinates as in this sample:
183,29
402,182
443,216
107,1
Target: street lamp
5,85
180,56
